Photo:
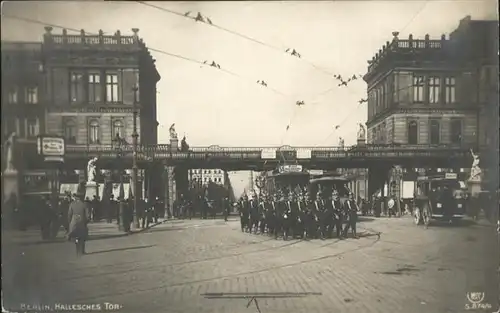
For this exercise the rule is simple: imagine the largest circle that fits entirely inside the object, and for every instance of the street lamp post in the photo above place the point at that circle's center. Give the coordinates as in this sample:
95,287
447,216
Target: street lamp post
121,210
135,135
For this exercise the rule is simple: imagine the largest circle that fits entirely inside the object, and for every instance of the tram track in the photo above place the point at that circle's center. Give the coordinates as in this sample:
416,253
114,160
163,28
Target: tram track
229,247
222,277
148,268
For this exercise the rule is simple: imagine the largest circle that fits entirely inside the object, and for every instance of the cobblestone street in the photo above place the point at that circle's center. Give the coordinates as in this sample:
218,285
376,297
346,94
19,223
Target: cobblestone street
394,267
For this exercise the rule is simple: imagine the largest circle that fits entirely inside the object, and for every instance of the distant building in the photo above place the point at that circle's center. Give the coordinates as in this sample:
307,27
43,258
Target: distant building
205,176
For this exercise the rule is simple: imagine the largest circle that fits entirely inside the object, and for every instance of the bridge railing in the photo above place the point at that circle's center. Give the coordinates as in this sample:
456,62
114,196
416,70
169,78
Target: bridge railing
148,152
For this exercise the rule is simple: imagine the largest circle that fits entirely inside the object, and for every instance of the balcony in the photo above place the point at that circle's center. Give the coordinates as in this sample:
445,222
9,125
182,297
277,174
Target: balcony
97,41
92,40
397,46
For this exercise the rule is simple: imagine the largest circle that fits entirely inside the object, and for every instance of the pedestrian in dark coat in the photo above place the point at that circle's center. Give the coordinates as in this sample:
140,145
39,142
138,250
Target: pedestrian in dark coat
351,212
78,217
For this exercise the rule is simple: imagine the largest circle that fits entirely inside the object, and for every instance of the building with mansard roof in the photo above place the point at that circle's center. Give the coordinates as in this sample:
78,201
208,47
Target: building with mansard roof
89,89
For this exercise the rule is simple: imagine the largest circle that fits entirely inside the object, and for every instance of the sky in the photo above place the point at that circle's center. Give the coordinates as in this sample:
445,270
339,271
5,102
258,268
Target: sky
212,107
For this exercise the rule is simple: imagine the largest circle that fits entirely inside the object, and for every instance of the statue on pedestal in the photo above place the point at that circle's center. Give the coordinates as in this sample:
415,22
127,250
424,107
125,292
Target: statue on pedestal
361,132
91,170
341,142
173,133
475,171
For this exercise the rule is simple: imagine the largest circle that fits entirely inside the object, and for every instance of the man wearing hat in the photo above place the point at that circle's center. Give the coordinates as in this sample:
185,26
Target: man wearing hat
337,213
351,212
323,215
78,217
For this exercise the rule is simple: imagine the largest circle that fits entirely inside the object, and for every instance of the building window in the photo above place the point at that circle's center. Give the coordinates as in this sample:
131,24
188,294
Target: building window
12,95
412,133
418,89
118,129
449,89
32,127
31,94
94,132
95,87
112,88
384,96
383,132
70,131
434,89
456,131
434,132
77,88
393,90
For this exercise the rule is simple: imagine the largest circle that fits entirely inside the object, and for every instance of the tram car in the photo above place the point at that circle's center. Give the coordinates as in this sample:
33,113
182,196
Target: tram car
327,184
287,178
440,197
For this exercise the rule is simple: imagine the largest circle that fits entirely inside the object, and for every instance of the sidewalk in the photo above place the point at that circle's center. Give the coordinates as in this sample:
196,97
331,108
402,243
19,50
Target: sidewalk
97,231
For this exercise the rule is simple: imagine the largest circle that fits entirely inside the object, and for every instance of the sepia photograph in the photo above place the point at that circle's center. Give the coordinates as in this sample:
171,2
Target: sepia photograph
250,156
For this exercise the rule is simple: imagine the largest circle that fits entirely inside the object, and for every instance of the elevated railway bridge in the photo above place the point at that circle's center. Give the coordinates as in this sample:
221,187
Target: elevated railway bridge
164,170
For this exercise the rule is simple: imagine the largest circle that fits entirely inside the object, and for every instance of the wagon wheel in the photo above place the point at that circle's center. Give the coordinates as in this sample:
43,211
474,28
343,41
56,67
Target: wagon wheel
426,214
417,218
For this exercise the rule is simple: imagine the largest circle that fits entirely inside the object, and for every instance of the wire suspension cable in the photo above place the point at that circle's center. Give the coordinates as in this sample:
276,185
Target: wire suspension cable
262,43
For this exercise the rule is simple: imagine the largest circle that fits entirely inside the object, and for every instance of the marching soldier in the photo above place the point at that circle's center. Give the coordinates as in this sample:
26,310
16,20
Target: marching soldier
286,218
322,214
273,224
254,214
244,213
303,216
338,214
313,218
263,214
351,212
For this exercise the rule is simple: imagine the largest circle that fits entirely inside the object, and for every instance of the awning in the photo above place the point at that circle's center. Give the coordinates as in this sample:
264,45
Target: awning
68,188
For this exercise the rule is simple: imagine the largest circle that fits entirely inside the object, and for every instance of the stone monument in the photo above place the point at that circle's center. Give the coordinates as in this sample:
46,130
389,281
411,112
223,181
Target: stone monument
361,135
91,187
341,143
474,181
174,141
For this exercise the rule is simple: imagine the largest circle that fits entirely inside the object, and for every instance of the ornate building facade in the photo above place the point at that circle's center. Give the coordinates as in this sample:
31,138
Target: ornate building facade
436,91
89,89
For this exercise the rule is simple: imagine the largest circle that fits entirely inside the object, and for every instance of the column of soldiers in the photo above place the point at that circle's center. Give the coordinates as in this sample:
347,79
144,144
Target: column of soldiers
297,215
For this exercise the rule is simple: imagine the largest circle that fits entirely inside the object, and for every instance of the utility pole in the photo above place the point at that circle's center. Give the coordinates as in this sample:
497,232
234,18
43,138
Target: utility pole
135,169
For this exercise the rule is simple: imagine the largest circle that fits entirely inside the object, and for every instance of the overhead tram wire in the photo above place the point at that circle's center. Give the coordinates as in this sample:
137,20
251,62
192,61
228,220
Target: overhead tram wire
269,46
28,20
417,13
283,49
33,21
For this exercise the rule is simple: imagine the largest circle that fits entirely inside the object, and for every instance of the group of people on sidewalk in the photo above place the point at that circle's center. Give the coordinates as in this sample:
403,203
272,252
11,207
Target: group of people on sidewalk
50,214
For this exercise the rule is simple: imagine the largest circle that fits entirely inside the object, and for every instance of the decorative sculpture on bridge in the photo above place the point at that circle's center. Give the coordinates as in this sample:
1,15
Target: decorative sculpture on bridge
341,142
91,170
475,171
361,132
9,154
173,133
